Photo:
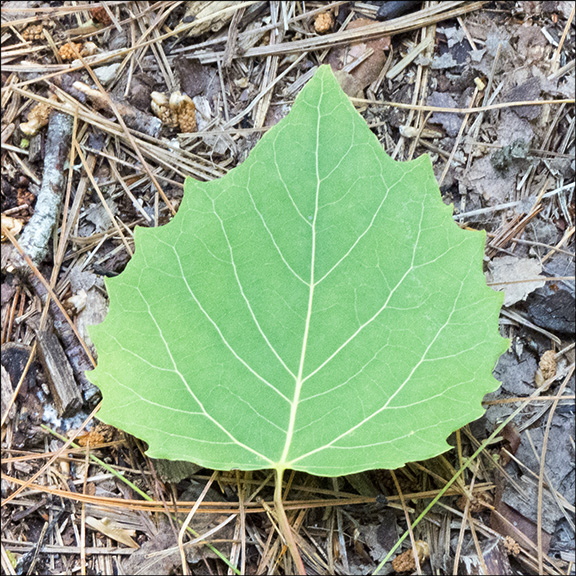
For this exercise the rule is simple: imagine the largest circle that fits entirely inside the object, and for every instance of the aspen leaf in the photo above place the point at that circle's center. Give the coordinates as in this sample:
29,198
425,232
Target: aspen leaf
315,309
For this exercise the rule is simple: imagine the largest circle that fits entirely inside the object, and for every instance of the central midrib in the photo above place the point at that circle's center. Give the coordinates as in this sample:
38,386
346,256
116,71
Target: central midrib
299,379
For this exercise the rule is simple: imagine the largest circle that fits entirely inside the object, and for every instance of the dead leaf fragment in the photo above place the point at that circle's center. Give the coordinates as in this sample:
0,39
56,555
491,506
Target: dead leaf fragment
159,555
450,122
512,275
512,440
355,80
515,513
113,530
13,225
94,312
406,563
494,558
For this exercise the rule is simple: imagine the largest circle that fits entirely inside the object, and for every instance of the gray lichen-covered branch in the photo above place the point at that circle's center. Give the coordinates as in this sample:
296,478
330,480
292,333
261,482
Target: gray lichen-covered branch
36,236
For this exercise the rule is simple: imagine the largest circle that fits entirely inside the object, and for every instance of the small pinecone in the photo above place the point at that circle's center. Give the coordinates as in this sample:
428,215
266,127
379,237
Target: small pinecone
511,546
178,111
100,15
67,51
186,111
548,364
324,23
161,107
33,32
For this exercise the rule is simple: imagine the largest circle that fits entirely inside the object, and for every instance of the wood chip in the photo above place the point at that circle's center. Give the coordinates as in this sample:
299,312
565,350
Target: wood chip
59,373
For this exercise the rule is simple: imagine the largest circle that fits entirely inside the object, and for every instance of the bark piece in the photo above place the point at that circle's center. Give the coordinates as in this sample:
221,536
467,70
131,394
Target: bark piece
209,16
73,349
15,356
7,391
552,310
59,373
389,10
495,558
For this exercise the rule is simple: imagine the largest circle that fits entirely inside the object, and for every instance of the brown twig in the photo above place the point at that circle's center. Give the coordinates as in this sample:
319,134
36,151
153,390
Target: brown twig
408,522
186,522
414,21
134,118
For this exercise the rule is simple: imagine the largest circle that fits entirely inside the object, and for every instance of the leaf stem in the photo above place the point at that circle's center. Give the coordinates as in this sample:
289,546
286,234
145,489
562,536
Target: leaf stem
285,529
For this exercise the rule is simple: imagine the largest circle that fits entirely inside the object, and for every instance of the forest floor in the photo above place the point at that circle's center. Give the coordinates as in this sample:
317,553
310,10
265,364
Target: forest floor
485,88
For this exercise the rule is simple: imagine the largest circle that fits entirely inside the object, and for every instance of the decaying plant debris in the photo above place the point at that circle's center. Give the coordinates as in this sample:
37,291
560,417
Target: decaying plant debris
487,89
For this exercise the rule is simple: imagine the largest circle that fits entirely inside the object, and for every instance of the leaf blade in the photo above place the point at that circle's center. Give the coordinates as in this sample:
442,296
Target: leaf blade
303,308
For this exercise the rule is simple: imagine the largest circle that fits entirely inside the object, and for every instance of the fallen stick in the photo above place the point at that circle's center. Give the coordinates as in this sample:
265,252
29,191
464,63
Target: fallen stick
76,355
134,118
38,231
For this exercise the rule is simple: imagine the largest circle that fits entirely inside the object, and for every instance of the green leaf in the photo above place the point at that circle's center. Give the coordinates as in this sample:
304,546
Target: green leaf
315,309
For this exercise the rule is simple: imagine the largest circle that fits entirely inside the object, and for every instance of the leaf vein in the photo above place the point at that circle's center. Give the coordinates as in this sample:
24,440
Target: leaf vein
398,390
245,298
217,328
190,391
